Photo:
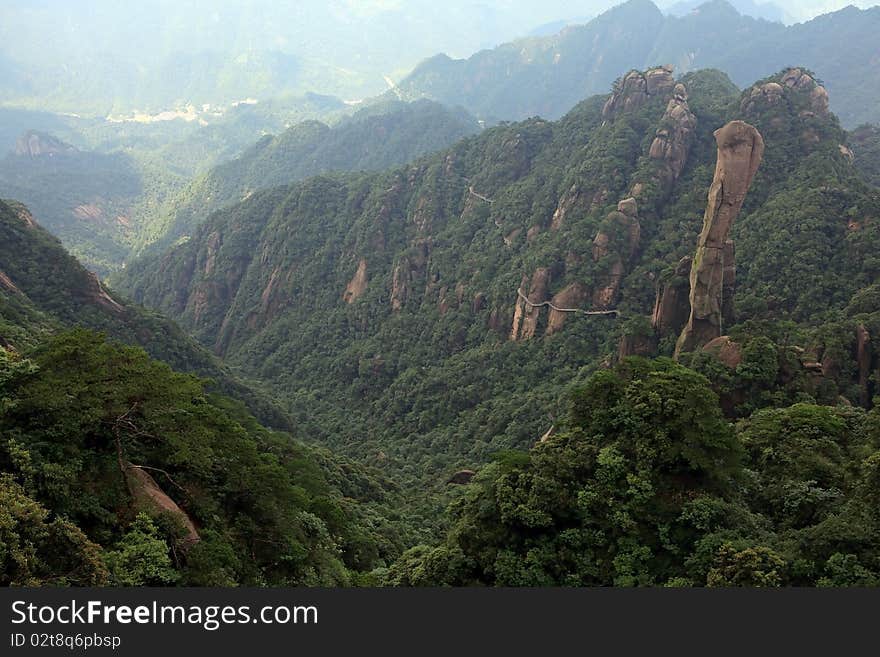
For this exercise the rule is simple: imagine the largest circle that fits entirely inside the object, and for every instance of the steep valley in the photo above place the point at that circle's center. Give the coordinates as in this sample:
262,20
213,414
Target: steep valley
388,311
592,308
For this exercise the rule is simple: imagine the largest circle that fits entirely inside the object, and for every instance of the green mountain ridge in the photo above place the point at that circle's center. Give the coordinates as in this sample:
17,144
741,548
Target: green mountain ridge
382,307
45,289
372,139
108,206
117,470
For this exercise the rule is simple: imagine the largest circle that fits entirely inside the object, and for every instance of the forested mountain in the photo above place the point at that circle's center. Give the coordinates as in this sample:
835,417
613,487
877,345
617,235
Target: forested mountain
375,138
630,340
43,289
118,470
388,309
106,205
547,76
89,200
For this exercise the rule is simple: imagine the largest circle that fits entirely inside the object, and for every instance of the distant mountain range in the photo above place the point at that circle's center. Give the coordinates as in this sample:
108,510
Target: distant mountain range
546,76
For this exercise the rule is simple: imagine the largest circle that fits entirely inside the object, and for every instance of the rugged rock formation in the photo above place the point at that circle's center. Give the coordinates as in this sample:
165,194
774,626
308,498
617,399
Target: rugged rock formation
674,138
795,78
672,307
634,90
7,284
38,144
101,297
149,497
772,93
740,150
357,285
25,215
637,345
89,212
623,221
526,315
572,296
725,350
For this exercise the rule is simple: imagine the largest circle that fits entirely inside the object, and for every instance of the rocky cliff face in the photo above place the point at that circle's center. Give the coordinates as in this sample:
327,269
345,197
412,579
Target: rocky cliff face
623,224
38,144
740,151
636,88
358,284
773,92
527,313
672,144
671,308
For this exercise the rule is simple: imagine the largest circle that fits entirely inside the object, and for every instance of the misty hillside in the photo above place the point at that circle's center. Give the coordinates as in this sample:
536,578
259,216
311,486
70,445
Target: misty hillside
158,54
547,76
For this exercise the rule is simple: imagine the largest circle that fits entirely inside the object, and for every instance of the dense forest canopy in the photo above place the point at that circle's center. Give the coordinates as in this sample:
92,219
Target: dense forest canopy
381,306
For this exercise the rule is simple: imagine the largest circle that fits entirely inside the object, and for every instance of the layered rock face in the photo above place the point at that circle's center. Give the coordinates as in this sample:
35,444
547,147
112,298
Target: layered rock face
669,154
740,151
148,496
572,296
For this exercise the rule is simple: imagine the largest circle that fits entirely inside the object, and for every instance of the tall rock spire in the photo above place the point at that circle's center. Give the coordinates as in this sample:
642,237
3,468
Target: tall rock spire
740,151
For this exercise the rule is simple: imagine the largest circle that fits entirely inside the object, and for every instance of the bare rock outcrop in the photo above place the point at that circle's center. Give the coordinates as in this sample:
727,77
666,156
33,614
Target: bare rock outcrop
726,351
637,345
7,284
572,296
462,477
149,497
728,288
635,88
672,307
25,215
740,151
624,222
37,144
864,360
357,285
101,297
675,136
526,315
773,92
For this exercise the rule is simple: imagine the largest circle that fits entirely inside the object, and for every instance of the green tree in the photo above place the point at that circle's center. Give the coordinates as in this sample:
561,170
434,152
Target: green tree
141,558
